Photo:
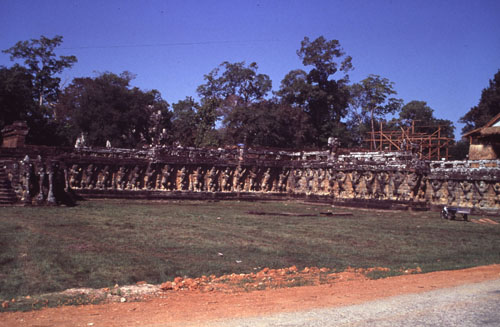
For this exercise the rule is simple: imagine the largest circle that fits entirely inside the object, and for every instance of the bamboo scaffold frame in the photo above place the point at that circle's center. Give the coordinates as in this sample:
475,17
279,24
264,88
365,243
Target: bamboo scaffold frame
428,146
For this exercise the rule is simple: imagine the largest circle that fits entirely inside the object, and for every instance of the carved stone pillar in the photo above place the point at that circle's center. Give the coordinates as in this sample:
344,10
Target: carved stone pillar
51,199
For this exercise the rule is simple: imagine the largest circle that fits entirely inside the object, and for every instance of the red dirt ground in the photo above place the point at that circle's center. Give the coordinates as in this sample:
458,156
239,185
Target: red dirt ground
194,306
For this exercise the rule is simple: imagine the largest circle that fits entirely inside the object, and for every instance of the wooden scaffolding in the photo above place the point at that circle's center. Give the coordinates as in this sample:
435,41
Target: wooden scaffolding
429,146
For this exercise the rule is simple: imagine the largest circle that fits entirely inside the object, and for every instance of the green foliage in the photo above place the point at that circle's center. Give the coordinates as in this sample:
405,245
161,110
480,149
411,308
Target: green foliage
371,101
17,103
424,121
234,86
184,121
323,98
416,111
16,95
488,107
194,124
108,108
459,150
43,64
267,123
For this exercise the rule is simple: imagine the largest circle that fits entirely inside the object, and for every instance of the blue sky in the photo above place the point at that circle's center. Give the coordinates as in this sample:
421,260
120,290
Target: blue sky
441,52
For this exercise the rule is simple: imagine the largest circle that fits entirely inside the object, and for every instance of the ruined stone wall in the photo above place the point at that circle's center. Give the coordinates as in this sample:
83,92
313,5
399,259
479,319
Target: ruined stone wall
38,176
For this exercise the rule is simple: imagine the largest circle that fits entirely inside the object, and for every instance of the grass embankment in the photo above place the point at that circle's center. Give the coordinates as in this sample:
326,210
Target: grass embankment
103,243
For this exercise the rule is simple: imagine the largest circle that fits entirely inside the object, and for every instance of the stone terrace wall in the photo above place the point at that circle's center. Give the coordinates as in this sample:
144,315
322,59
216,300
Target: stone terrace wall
40,175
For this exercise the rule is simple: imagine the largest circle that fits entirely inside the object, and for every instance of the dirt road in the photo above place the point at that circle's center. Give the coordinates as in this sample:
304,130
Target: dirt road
194,308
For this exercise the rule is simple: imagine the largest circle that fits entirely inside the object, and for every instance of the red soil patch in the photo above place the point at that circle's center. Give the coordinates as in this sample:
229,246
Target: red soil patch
192,305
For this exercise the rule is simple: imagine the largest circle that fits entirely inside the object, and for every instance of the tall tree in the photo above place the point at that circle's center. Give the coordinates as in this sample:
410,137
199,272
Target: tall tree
194,124
16,95
268,123
108,108
17,103
423,115
371,99
233,85
488,107
185,121
43,64
321,94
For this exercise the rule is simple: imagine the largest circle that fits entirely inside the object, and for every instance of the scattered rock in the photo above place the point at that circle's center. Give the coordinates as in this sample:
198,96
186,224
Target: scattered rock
167,286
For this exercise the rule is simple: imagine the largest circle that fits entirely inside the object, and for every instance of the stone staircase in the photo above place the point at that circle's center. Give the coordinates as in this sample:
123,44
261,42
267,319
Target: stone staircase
7,194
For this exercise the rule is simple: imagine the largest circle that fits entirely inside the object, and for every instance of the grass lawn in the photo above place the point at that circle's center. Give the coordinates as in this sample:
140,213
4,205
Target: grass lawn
102,243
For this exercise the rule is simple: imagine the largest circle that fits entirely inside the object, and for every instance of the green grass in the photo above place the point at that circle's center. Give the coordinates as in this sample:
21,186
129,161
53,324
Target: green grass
103,243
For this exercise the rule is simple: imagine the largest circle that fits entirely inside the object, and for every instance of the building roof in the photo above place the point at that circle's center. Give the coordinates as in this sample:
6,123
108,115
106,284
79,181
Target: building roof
491,128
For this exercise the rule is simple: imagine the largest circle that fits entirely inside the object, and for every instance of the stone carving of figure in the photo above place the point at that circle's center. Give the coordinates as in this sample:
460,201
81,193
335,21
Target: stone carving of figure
252,175
321,177
184,179
239,179
309,177
52,167
212,179
436,185
41,180
369,178
80,141
26,179
451,187
423,187
282,180
88,177
340,177
382,180
482,188
164,178
266,181
74,176
226,180
297,176
134,182
148,177
397,179
197,180
496,188
120,181
103,178
355,179
414,184
331,180
333,145
468,191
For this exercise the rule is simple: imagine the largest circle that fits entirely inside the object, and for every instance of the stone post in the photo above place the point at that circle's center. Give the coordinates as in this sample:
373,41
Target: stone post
41,176
51,199
26,180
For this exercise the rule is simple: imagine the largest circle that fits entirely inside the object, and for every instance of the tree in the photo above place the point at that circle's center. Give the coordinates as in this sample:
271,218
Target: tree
185,121
322,97
267,123
108,108
233,85
488,107
43,64
206,134
194,124
423,116
16,95
17,103
370,99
